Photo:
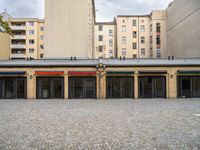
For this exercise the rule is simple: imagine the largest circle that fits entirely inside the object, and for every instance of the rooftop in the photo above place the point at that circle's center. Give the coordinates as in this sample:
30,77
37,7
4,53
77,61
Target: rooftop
95,62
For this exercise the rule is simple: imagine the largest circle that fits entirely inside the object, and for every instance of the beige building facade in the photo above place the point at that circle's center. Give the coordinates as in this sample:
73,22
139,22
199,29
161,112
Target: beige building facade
100,79
69,28
4,45
105,40
183,20
27,39
141,36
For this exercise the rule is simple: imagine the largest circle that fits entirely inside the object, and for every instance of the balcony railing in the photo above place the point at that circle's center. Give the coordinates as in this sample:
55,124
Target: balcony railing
18,27
17,56
18,46
18,37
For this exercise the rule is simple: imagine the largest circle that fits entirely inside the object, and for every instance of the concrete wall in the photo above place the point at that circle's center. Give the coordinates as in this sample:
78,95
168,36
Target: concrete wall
4,46
183,28
69,28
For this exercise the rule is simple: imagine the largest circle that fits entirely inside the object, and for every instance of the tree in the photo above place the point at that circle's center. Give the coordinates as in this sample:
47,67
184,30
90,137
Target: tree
5,26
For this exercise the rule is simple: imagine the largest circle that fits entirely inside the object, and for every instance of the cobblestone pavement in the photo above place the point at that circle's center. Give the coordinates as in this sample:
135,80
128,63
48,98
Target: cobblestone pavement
93,124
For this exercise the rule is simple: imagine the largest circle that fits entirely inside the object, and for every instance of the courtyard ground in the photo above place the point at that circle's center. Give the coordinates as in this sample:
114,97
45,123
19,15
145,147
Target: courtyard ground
100,125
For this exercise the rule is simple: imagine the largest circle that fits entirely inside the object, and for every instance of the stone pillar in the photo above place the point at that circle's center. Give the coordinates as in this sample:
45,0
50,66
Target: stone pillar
66,82
136,92
31,87
103,87
172,84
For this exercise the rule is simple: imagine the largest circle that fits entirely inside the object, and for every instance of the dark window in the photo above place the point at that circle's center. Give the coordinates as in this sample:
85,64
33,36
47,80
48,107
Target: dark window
82,87
158,27
119,87
13,88
50,87
189,87
134,45
158,40
100,48
100,27
152,87
100,37
134,34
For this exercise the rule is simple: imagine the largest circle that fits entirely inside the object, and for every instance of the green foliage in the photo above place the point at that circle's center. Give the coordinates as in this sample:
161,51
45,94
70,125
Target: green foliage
5,26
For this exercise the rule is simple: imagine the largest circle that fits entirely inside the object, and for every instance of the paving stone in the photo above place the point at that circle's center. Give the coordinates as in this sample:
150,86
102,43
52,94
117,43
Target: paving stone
156,124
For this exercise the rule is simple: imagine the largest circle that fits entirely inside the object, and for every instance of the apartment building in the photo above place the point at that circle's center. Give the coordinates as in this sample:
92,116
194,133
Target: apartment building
105,40
69,28
28,37
133,36
183,28
141,36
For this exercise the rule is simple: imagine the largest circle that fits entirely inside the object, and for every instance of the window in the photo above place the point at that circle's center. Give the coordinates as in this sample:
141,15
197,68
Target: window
123,28
41,37
123,40
134,56
100,37
134,34
31,50
142,21
100,27
124,52
151,39
142,28
110,43
41,28
110,32
143,40
158,53
111,54
151,52
143,51
134,45
31,41
100,48
41,55
157,27
158,40
31,23
151,29
42,46
31,32
134,23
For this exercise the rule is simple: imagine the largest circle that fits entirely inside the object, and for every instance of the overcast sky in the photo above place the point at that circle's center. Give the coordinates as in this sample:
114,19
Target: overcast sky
105,9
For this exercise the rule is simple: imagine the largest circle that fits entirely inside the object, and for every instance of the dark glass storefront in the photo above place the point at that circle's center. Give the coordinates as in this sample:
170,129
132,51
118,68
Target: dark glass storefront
13,88
119,87
188,87
82,87
50,87
152,87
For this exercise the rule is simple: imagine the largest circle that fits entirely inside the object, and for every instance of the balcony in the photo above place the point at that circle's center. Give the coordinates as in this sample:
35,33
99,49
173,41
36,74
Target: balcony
18,37
18,27
18,46
17,56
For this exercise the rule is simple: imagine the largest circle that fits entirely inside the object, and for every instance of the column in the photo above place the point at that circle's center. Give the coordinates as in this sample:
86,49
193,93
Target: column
172,84
31,87
66,82
136,86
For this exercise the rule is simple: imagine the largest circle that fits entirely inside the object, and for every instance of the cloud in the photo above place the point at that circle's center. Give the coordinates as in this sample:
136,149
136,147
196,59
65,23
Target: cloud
106,9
